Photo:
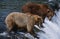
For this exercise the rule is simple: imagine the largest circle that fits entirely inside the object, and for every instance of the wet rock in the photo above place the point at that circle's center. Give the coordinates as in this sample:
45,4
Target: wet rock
5,35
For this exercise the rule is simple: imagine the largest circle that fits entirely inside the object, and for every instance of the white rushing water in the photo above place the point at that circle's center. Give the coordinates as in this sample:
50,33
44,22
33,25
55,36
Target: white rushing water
52,28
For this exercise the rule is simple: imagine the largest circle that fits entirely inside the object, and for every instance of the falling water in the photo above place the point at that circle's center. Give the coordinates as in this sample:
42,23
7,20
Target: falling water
52,28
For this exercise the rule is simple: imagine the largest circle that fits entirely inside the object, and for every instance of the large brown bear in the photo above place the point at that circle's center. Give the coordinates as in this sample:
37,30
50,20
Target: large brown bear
42,10
23,21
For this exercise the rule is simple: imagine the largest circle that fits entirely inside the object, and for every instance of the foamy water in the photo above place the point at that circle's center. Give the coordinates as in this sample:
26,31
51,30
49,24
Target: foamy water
52,28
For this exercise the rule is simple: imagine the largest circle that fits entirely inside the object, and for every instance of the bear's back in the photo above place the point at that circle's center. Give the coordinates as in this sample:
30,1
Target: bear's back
21,19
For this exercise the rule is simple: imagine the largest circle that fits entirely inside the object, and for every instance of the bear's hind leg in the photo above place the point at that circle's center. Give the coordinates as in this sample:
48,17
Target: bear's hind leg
9,25
14,29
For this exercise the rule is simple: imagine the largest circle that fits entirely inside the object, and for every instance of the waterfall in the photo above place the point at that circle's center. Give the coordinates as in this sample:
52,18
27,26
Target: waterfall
52,28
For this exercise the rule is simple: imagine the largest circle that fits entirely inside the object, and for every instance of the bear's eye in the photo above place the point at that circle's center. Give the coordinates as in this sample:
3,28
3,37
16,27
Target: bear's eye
48,10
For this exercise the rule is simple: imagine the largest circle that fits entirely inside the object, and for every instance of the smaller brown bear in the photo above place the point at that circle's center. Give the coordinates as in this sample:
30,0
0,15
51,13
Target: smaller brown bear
23,21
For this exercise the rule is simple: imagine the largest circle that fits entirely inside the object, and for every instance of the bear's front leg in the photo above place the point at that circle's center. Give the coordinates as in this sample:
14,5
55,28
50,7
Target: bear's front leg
31,31
9,26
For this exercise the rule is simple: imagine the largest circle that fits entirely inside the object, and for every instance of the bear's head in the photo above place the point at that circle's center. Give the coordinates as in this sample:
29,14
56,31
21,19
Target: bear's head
38,20
45,11
38,9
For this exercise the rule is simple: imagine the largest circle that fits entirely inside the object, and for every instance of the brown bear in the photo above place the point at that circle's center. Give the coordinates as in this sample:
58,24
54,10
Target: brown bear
23,21
42,10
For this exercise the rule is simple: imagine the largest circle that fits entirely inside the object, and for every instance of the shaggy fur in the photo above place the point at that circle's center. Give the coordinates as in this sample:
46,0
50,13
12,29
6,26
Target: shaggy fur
42,10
